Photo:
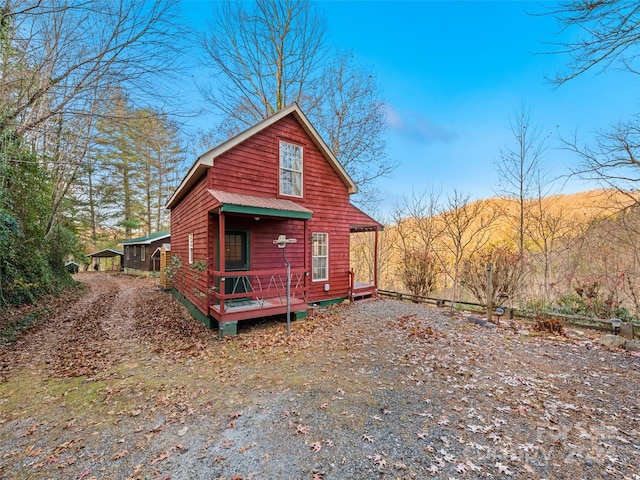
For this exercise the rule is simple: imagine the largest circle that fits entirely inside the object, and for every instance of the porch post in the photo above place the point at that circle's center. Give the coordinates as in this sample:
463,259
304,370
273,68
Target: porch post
375,260
221,255
306,259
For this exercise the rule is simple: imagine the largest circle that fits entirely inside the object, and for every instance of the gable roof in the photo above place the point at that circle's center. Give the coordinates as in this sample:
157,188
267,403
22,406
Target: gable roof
146,240
106,253
166,246
206,160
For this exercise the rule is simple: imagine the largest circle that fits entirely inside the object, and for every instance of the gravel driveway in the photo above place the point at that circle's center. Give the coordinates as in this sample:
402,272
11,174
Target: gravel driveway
122,383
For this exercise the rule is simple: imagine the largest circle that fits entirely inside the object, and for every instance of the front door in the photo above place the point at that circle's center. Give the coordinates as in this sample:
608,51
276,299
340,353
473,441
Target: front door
236,259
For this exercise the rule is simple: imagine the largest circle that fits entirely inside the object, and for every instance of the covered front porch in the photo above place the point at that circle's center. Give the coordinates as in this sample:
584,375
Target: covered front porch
247,271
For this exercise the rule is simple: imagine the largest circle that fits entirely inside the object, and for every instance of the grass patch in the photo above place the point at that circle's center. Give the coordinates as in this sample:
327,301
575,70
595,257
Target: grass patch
28,396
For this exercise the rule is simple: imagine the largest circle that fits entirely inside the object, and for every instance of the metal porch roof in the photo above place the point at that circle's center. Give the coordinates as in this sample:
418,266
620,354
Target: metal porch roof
254,205
106,253
361,222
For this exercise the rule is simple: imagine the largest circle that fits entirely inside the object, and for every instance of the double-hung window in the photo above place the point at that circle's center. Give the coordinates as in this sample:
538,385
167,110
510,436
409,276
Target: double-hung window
290,169
320,256
142,252
127,249
190,248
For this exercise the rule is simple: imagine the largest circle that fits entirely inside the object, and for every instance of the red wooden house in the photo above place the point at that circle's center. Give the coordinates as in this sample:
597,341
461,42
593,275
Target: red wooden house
276,178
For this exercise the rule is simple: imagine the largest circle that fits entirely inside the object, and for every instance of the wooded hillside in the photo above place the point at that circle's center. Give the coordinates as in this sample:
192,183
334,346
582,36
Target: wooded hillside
81,164
580,252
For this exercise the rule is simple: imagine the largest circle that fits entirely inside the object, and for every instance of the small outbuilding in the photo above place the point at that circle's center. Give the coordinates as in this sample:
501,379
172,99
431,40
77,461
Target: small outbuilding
72,267
106,259
139,253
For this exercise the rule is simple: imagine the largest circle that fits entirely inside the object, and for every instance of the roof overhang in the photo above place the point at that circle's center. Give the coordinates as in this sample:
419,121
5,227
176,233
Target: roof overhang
206,160
158,251
229,202
146,240
361,222
106,253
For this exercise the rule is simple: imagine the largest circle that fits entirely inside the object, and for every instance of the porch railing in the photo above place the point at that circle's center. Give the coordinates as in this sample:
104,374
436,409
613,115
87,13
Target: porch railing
256,285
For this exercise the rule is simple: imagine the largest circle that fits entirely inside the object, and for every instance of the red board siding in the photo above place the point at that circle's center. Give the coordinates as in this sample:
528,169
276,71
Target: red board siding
252,167
191,216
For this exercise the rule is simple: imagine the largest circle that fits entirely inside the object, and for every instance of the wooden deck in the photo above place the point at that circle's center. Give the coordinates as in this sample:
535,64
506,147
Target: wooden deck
363,291
245,310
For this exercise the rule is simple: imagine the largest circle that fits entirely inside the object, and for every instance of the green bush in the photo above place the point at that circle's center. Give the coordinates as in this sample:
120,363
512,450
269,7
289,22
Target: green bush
32,251
574,304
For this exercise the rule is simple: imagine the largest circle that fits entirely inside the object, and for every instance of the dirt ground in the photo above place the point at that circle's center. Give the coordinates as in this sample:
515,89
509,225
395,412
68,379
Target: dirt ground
120,382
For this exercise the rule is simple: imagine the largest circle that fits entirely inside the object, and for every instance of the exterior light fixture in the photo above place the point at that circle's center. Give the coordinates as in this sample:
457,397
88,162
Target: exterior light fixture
282,242
616,323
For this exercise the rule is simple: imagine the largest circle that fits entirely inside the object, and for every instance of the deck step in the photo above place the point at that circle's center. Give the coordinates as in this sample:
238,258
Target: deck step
365,299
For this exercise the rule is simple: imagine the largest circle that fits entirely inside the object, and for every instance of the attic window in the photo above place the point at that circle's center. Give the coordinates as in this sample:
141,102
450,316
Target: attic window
290,169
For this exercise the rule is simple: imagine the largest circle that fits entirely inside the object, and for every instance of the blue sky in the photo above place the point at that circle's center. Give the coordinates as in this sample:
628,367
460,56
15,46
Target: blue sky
453,75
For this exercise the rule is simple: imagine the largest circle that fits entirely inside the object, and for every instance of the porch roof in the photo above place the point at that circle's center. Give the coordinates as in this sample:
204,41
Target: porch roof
229,202
106,253
361,222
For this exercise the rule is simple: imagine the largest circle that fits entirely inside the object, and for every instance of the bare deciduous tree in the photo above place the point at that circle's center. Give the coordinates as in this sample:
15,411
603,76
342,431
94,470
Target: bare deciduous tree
552,232
263,59
266,55
418,228
604,34
507,277
520,167
608,32
613,160
350,116
63,53
60,58
467,229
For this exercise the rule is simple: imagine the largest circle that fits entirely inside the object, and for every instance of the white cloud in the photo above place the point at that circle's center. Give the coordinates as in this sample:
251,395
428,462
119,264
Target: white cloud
417,127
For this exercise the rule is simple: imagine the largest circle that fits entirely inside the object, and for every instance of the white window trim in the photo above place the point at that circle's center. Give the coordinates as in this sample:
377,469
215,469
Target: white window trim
134,251
190,248
142,253
326,257
281,168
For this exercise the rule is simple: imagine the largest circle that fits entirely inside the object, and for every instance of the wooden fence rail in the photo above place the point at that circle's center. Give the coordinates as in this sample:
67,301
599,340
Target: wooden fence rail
594,323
